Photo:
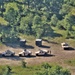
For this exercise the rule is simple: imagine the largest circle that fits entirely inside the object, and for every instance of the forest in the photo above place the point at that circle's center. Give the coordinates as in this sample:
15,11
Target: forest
39,18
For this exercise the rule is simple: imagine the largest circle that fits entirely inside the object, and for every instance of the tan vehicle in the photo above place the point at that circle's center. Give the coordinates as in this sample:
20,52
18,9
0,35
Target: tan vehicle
41,52
25,53
8,53
65,45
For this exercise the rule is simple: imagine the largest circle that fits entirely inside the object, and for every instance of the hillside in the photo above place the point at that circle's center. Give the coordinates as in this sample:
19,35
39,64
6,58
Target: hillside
44,18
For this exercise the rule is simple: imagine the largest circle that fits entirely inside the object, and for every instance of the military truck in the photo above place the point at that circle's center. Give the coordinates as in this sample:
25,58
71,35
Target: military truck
41,52
8,53
25,53
65,45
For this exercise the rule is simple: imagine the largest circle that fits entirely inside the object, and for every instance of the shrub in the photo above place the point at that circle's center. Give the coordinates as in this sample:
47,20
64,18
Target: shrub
23,64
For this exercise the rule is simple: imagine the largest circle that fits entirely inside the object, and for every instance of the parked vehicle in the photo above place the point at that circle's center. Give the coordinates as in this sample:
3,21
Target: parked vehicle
8,53
41,52
65,45
25,53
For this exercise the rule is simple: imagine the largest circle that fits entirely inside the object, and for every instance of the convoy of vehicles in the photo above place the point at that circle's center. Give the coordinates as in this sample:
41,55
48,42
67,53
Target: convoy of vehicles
27,52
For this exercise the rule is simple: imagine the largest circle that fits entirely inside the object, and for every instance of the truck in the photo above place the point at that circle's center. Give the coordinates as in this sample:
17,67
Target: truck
8,53
25,53
65,45
41,52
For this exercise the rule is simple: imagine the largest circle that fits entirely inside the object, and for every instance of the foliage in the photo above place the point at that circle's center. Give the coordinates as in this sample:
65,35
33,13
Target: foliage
3,22
34,70
70,62
30,17
23,64
54,70
7,71
46,65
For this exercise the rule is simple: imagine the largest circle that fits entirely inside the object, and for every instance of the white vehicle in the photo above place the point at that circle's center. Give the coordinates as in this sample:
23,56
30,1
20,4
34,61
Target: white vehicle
8,53
41,52
65,45
25,53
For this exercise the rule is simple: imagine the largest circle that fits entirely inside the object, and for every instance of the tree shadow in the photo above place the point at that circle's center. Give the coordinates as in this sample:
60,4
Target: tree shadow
53,34
12,58
13,45
27,47
47,55
17,45
50,41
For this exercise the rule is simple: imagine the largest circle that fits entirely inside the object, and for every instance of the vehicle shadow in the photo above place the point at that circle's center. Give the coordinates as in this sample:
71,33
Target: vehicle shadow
70,49
47,55
32,56
50,41
43,46
11,57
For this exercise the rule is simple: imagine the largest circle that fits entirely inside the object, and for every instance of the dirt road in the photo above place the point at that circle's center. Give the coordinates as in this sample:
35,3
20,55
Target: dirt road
58,56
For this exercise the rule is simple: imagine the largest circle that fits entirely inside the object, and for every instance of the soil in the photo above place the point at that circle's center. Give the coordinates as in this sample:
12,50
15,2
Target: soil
58,55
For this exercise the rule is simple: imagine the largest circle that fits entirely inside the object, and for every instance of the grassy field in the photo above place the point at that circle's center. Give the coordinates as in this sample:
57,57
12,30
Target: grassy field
33,70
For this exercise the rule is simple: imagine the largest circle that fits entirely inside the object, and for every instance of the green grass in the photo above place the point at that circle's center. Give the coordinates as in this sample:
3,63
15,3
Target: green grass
31,70
70,62
19,70
3,22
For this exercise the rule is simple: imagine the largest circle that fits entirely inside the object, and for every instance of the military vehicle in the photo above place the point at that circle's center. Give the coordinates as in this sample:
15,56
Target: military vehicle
65,45
25,53
41,52
8,53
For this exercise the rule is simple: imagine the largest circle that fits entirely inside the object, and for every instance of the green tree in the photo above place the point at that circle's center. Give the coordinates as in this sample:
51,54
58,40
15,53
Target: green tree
26,24
54,20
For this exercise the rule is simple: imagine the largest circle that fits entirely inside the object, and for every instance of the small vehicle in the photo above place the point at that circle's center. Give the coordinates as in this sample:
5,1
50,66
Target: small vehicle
65,45
25,53
8,53
41,52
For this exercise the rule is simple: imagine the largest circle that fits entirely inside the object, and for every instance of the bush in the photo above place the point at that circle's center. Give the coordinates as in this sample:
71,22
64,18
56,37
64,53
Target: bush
53,70
7,71
23,64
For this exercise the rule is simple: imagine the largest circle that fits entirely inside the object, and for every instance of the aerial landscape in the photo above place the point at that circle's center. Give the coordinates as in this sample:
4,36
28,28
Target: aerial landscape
37,37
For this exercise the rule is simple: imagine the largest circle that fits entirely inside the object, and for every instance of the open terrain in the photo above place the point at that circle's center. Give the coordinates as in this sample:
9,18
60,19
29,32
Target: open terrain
58,55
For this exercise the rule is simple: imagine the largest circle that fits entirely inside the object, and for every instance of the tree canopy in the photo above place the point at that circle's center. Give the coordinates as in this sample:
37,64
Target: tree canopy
37,17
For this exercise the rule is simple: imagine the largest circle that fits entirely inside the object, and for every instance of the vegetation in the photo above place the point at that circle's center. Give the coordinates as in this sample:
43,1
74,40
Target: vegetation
41,18
34,70
23,64
70,62
7,71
